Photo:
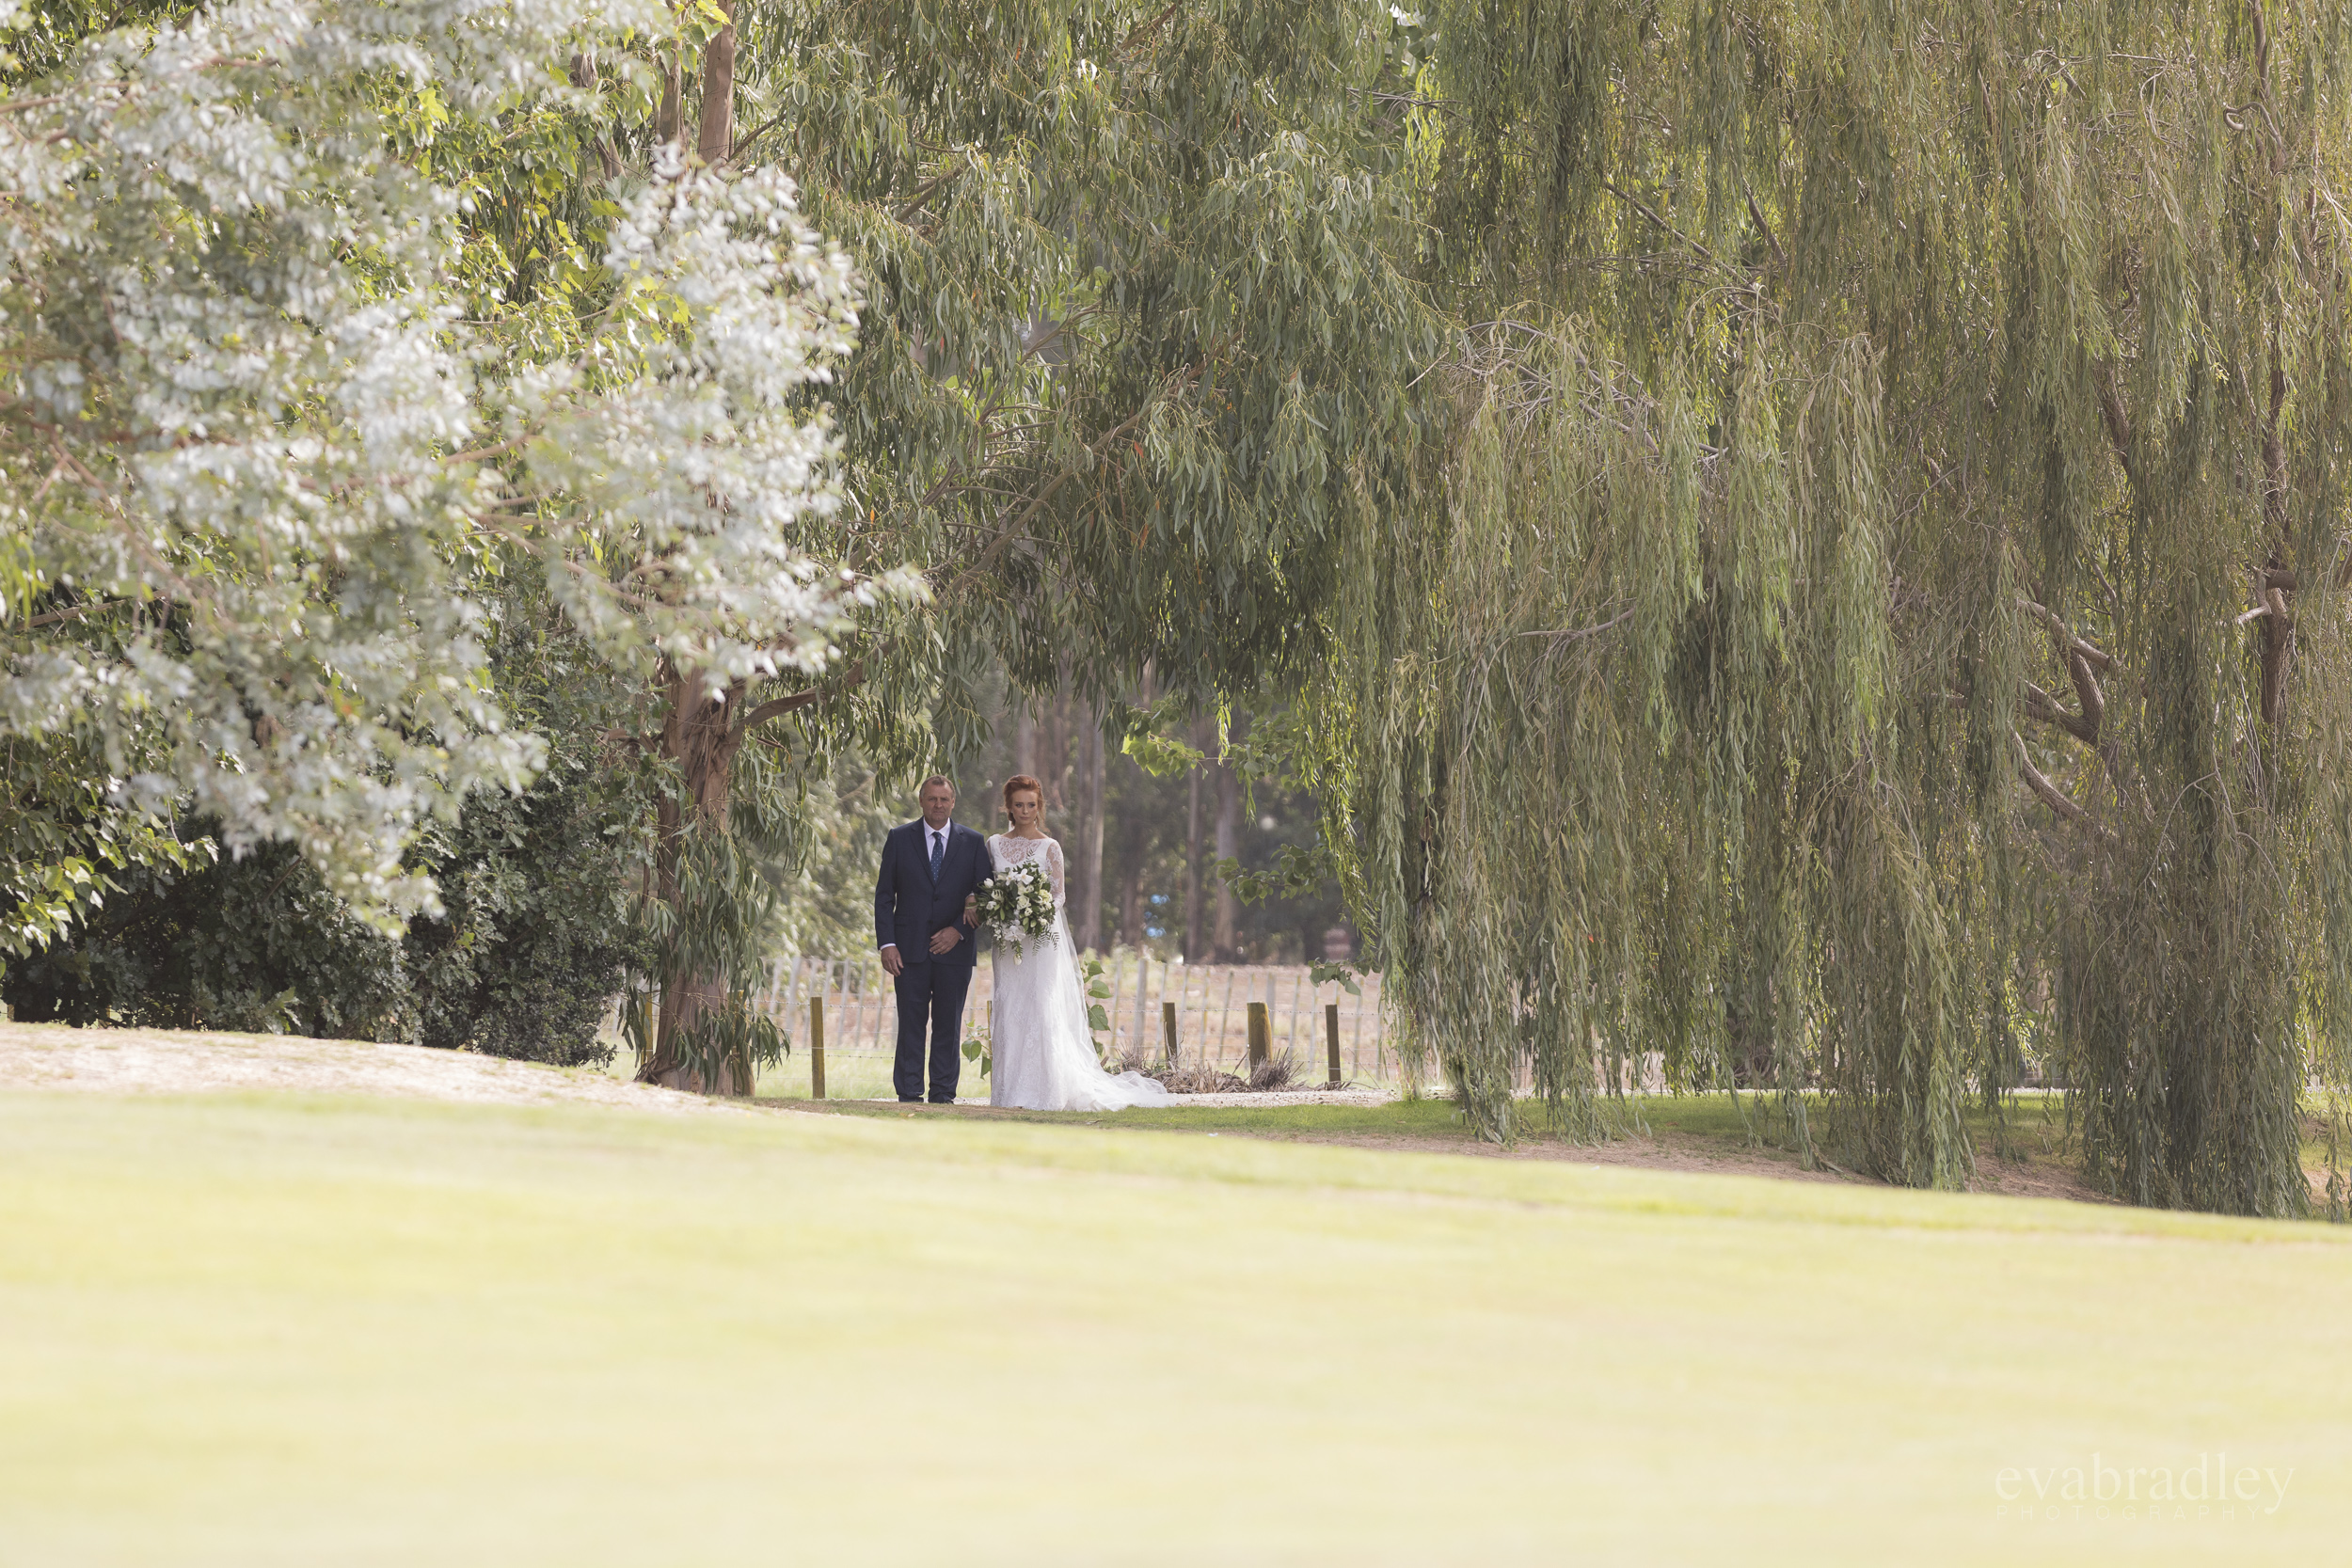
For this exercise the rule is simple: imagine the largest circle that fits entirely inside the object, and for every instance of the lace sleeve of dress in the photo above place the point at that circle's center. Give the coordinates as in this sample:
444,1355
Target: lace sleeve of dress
1053,868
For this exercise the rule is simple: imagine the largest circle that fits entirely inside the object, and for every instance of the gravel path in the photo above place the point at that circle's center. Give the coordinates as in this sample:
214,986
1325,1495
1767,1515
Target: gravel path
157,1061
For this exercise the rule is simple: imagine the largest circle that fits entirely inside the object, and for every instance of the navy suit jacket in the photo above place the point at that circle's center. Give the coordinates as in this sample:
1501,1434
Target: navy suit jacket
909,906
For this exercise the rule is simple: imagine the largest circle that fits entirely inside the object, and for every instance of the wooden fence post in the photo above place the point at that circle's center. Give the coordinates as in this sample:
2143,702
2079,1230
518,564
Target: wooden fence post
1331,1038
816,1048
1168,1026
1260,1036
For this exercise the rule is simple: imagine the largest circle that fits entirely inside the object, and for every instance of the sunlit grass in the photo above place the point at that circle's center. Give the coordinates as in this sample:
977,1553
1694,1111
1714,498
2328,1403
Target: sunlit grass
2035,1124
260,1332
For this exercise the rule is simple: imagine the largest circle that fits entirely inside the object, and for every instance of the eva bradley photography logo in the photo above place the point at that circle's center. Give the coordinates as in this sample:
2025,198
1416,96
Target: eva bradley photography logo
2211,1490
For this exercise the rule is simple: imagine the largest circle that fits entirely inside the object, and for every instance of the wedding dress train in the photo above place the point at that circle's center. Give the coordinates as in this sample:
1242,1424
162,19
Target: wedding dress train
1044,1052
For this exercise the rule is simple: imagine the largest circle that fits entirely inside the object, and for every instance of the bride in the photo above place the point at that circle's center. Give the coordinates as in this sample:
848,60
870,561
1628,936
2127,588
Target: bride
1043,1051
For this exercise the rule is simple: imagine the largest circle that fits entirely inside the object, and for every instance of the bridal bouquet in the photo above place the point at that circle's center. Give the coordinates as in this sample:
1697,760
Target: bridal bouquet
1018,905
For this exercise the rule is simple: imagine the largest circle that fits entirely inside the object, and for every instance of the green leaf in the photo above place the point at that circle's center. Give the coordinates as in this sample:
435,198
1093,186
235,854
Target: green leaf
1342,972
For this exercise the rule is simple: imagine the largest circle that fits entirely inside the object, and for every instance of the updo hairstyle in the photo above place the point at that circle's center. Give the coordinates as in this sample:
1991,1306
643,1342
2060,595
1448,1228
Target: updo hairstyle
1018,782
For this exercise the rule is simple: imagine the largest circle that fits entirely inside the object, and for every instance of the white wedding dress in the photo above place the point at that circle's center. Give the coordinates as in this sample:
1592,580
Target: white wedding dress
1044,1052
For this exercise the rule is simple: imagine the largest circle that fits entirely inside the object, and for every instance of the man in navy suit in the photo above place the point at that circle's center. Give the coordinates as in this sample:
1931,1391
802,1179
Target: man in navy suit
928,869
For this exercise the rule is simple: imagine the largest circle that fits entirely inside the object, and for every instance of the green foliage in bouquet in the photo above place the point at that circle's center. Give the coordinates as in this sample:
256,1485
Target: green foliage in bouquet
1018,906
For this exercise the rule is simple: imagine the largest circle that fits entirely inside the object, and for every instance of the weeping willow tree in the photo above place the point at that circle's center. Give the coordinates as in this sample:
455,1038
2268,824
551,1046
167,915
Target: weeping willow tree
1880,598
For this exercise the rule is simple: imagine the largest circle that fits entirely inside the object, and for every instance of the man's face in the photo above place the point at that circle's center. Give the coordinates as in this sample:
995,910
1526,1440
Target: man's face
939,803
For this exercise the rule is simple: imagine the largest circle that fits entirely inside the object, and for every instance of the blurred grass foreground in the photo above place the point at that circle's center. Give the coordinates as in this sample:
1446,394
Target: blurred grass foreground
261,1330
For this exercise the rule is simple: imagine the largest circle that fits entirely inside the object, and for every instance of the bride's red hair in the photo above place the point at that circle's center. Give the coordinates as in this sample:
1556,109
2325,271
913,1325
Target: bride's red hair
1018,782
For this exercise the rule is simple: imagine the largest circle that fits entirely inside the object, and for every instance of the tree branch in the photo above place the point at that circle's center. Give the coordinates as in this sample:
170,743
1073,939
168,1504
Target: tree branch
1145,29
2053,796
2278,627
2118,423
2068,642
72,613
1643,208
1755,215
1006,532
776,708
2041,706
744,142
2093,701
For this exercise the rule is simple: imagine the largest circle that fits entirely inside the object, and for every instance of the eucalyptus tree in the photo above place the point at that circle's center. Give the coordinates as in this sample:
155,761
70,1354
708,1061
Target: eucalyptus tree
1884,570
260,475
1133,336
1137,329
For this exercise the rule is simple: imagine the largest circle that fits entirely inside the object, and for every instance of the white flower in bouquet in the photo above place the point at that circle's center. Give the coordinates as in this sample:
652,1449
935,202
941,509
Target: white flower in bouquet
1018,906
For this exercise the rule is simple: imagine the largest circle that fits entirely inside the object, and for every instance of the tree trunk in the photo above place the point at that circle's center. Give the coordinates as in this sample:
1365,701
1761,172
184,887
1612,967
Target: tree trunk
1228,845
584,75
1025,741
1054,755
1131,904
1087,931
666,117
717,140
699,739
1194,953
2278,626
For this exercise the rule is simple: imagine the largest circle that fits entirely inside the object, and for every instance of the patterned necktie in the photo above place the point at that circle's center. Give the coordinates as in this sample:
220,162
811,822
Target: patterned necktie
939,851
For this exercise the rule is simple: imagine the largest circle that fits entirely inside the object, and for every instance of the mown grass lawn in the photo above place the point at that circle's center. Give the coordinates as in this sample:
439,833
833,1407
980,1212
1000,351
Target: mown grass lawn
2033,1128
258,1331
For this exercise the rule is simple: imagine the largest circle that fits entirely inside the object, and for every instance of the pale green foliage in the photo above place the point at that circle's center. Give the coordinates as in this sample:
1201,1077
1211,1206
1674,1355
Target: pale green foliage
257,475
1706,699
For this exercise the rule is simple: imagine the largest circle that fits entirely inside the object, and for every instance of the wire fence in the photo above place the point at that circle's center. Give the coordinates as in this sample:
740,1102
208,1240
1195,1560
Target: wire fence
1212,1004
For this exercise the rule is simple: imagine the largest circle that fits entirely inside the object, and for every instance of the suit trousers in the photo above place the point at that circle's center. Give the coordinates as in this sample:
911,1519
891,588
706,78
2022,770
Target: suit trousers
931,1001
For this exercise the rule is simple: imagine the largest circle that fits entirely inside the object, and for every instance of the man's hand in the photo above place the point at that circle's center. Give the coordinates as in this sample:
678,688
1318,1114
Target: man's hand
943,941
892,963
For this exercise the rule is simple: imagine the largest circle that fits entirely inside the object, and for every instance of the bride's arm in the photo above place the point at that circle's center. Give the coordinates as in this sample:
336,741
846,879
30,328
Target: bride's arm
1053,870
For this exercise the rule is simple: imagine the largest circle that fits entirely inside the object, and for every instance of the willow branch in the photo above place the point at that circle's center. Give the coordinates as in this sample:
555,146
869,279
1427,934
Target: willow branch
1697,249
2068,642
2087,692
1580,632
2040,704
2053,796
2118,423
1755,215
